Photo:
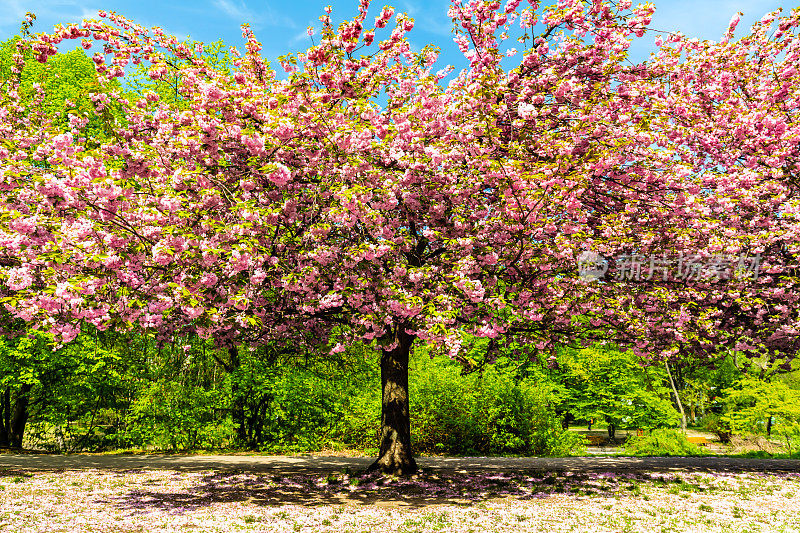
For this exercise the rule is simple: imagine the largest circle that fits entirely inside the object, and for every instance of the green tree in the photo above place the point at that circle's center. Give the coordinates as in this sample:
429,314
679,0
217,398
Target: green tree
69,84
756,406
68,392
602,383
215,56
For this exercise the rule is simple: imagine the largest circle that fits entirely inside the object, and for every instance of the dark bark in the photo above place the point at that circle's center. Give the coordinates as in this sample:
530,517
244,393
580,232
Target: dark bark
14,416
20,417
5,418
769,426
395,456
612,430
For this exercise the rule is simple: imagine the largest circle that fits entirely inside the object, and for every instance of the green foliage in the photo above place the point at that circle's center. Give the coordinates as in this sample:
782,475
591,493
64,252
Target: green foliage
489,412
68,81
216,56
106,391
790,434
82,404
715,423
172,416
757,406
303,409
661,441
316,402
360,414
71,391
303,402
751,403
605,384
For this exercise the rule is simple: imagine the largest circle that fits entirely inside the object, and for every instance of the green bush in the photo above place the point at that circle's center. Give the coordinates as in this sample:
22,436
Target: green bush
789,432
714,423
169,415
440,409
660,442
303,410
172,398
488,413
358,424
547,435
752,403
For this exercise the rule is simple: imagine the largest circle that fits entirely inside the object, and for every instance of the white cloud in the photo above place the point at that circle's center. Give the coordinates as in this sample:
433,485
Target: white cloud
48,13
51,12
236,10
301,37
427,17
12,10
708,19
414,46
240,12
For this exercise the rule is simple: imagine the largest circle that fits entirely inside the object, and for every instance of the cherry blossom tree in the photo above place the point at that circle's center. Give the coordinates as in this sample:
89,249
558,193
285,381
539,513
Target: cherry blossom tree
305,211
727,113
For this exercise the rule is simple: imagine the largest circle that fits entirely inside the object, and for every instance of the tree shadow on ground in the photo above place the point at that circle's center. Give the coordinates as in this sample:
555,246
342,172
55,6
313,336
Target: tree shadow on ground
423,490
324,465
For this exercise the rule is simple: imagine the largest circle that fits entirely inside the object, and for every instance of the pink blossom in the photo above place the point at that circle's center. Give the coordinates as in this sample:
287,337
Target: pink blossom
18,278
280,176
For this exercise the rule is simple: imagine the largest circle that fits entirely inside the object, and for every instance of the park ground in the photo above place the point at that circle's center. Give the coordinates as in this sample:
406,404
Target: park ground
127,493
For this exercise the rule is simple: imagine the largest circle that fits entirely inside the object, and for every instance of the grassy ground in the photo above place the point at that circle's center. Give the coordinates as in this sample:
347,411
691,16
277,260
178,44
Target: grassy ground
169,500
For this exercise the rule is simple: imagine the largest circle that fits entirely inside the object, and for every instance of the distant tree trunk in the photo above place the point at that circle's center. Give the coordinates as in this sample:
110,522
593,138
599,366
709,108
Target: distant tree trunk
395,456
568,417
612,430
769,426
5,418
677,398
14,417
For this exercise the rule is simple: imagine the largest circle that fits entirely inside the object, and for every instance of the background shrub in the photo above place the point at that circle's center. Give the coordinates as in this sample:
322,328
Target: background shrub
661,441
488,413
172,416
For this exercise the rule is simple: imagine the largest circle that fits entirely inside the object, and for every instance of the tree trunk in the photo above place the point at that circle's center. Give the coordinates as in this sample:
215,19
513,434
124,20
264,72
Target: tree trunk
677,398
612,431
5,418
20,417
395,457
769,426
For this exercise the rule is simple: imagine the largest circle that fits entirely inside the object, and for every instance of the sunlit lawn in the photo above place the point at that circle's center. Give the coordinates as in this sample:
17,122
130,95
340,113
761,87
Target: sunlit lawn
160,500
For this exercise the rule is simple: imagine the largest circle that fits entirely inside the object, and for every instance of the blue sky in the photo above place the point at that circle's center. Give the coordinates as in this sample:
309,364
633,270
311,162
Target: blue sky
281,25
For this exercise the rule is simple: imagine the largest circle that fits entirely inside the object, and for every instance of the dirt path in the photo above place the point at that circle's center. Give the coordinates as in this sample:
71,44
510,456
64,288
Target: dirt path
327,464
